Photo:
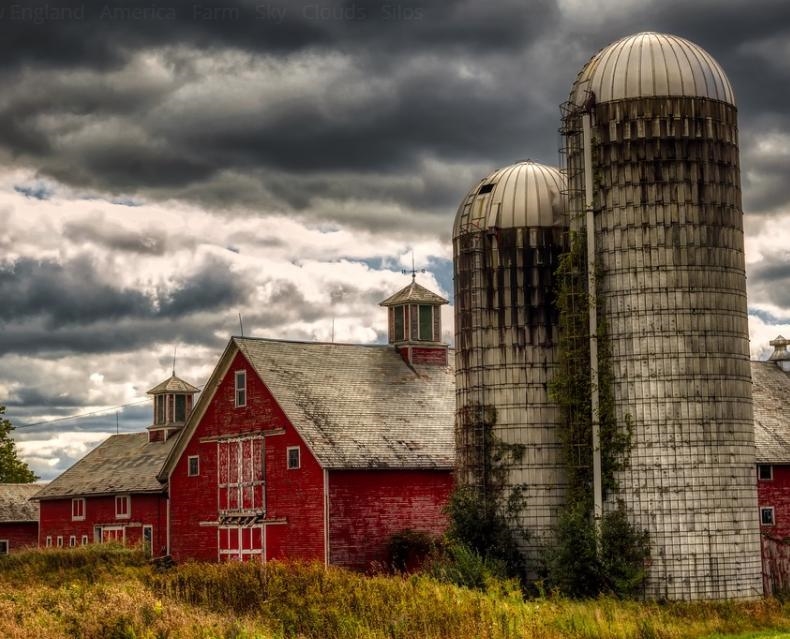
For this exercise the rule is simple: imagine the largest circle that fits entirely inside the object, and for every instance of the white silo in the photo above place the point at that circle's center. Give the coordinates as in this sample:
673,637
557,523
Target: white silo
507,239
666,203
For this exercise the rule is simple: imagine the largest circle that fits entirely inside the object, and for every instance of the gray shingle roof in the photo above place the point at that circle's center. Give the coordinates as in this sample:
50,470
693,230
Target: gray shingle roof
360,406
120,464
173,384
413,293
771,390
15,504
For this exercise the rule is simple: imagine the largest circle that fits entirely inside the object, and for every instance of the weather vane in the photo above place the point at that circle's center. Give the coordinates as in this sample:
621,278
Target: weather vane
413,271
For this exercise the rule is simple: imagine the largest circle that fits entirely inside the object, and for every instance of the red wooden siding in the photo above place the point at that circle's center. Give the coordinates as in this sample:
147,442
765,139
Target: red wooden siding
433,356
776,492
235,491
367,507
19,535
146,510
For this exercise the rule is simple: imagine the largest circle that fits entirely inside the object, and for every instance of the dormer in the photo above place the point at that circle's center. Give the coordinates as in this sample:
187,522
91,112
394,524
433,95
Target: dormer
173,400
415,325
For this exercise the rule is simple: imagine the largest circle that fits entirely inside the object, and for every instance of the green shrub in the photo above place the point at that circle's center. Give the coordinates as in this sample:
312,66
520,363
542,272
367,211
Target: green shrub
409,549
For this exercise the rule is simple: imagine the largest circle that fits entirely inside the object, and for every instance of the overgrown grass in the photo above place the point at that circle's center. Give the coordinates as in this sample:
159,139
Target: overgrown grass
103,592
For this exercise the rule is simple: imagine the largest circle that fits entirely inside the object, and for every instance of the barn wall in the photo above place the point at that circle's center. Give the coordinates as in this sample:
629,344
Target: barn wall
367,507
146,510
293,516
19,535
776,492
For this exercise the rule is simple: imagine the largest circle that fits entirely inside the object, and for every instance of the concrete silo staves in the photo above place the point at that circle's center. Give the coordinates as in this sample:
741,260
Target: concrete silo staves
507,239
668,236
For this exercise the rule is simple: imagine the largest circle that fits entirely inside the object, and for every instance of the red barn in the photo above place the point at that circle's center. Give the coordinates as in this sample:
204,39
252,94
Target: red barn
318,451
113,494
771,390
18,517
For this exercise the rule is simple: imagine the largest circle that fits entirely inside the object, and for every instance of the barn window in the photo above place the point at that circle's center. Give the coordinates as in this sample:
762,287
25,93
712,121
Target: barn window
148,539
193,463
426,322
72,541
122,507
85,540
60,541
159,404
294,460
4,546
765,472
767,516
181,408
486,188
241,388
399,330
49,541
78,509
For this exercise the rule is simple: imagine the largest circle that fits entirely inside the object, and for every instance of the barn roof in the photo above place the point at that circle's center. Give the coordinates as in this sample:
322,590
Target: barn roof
355,406
120,464
770,390
173,384
15,504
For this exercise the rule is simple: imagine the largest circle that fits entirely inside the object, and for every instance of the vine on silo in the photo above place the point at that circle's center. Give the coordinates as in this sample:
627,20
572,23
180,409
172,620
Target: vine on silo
585,561
484,515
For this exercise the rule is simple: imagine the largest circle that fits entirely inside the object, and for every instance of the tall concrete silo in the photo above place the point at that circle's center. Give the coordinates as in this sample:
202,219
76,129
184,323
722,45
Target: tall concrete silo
507,238
666,203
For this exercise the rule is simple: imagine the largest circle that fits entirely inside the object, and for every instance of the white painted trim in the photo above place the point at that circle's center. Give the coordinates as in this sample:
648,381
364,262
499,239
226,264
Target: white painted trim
84,506
189,466
128,513
326,517
237,388
773,515
288,450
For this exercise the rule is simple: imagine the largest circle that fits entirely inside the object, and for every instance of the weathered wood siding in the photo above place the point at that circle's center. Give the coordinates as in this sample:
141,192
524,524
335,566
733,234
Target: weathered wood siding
367,507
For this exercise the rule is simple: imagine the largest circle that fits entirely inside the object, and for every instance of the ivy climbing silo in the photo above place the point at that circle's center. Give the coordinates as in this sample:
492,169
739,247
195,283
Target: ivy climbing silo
507,238
672,302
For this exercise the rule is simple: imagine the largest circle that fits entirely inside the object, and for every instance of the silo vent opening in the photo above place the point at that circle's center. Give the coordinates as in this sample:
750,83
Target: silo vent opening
486,188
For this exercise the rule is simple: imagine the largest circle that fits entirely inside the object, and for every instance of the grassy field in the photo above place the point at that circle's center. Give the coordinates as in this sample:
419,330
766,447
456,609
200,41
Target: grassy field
102,592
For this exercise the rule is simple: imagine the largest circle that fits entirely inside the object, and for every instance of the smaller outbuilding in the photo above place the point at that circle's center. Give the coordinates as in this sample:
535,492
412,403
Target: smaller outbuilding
18,517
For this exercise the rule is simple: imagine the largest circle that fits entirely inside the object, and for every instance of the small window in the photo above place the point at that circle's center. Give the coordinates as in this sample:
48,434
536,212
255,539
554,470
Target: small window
486,188
293,457
181,408
72,541
241,388
49,541
78,509
159,403
193,464
399,328
122,507
85,540
3,546
426,322
60,541
765,472
767,516
148,539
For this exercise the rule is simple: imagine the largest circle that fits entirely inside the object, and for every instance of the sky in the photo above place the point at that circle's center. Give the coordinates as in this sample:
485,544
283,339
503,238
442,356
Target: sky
165,168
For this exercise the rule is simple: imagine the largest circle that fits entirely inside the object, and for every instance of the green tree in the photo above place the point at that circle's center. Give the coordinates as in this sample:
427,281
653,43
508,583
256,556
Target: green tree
12,469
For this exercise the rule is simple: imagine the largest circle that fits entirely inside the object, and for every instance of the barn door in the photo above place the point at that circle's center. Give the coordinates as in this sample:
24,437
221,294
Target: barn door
241,498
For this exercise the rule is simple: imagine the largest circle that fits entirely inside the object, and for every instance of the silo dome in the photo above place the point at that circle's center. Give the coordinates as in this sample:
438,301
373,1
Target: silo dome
524,194
652,65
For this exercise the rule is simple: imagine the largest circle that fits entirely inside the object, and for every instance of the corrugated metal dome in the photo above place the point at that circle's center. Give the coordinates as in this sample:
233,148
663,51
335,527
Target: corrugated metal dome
524,194
652,65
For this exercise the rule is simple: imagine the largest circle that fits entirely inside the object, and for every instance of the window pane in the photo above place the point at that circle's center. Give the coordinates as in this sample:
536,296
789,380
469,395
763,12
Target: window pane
398,310
160,409
426,322
181,408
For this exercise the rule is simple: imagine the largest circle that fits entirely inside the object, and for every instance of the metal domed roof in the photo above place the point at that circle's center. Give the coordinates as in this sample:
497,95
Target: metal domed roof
652,64
523,194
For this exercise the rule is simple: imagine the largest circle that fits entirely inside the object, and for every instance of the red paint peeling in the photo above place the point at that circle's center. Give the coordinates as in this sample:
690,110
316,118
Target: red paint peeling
19,535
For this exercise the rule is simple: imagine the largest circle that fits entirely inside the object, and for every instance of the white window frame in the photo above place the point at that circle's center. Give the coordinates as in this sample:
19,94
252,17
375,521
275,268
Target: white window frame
120,499
74,502
770,468
298,450
60,541
240,390
7,547
196,458
149,549
72,541
84,540
49,541
767,509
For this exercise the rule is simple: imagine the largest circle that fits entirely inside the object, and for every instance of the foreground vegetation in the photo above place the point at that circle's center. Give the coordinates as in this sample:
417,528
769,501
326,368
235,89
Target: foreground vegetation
106,592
